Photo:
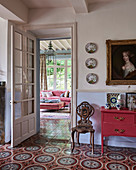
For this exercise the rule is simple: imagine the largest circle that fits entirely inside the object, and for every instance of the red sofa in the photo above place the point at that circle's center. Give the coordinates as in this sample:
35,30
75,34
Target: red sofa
57,94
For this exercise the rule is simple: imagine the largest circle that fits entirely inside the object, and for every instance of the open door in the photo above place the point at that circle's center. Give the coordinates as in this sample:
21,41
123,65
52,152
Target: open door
23,86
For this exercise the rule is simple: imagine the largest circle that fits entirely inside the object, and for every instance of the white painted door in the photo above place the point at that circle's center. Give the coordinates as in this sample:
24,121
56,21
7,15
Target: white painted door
23,87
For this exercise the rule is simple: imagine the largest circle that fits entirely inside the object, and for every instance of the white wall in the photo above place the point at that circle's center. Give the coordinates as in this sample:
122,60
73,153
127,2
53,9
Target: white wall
3,49
51,16
114,22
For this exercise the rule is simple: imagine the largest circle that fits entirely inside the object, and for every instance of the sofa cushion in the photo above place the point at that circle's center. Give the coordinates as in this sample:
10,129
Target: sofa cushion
57,92
65,99
53,97
43,94
49,94
62,95
42,100
52,101
66,94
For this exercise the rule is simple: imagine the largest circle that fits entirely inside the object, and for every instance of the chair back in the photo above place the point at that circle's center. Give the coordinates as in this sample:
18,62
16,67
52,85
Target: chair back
85,111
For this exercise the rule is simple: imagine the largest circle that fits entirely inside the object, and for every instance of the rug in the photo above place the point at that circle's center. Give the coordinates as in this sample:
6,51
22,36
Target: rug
52,115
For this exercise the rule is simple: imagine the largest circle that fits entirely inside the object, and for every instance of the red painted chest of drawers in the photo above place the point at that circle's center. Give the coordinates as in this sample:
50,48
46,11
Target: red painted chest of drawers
117,123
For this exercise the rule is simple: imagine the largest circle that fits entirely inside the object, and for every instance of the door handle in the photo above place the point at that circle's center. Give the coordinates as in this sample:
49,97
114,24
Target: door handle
14,102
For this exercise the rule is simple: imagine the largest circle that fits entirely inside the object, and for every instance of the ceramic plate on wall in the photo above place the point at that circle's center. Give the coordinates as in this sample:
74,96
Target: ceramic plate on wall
91,47
91,78
91,63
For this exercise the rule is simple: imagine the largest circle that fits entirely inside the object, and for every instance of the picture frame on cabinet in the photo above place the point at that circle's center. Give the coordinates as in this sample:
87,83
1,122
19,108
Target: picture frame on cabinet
130,100
121,62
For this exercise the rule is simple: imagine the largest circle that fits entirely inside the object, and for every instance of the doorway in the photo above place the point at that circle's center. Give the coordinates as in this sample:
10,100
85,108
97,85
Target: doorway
55,88
39,32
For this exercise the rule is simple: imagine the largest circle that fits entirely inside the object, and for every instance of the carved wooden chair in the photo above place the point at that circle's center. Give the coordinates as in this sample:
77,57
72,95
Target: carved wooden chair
85,111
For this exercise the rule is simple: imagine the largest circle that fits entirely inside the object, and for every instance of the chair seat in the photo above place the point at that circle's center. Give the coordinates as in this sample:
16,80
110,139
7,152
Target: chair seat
83,129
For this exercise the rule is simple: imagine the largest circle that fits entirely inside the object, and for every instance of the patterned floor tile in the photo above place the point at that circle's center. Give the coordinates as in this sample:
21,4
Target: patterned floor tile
51,150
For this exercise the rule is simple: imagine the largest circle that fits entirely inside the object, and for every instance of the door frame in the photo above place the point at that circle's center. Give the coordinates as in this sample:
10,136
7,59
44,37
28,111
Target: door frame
73,27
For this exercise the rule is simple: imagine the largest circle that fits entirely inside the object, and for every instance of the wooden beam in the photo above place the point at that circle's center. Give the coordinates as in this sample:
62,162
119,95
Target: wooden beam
80,6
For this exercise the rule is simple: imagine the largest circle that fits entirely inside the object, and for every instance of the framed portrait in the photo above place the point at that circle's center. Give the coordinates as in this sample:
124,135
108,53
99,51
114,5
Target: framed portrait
121,62
130,99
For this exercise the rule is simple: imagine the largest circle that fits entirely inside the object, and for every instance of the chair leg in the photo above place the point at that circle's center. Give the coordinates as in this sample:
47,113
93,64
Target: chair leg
93,143
90,138
78,138
73,144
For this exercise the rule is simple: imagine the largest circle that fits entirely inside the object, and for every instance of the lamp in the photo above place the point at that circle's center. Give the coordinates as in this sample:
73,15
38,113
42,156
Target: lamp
50,54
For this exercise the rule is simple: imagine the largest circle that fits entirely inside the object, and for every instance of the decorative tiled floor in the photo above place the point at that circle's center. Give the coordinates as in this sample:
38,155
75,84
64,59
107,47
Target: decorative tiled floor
51,150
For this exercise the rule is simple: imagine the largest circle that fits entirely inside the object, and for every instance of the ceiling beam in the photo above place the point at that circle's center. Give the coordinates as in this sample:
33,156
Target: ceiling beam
44,43
61,44
17,8
68,44
42,46
47,44
54,44
80,6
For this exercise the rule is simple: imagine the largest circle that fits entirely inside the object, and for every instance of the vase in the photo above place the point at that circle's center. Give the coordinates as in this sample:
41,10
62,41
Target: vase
118,106
107,106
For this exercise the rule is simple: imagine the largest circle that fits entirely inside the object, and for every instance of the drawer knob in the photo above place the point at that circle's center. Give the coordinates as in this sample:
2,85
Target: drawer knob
119,131
119,118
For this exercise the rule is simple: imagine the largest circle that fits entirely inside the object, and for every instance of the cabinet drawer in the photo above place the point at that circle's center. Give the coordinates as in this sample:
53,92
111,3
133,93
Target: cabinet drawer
110,129
119,118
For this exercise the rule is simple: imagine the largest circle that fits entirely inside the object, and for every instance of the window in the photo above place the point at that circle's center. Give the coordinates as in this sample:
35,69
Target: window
50,77
59,75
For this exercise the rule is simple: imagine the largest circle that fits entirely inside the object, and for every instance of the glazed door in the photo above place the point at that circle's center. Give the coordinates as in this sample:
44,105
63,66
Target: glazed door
23,75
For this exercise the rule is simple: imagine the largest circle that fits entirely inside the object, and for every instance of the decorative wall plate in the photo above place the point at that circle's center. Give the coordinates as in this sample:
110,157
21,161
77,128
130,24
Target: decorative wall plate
91,63
112,99
91,78
91,47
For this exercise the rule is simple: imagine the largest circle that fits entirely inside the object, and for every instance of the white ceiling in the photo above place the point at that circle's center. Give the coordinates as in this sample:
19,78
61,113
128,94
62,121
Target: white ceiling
47,3
57,36
58,44
20,9
52,33
61,3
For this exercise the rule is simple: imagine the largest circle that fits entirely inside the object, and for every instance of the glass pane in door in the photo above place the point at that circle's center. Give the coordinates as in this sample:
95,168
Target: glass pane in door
18,75
18,41
31,107
25,63
30,91
18,56
30,46
25,108
17,111
25,79
18,92
30,61
30,76
25,92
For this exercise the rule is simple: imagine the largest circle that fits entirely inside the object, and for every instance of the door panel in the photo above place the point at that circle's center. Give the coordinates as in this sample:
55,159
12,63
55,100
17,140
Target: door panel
23,107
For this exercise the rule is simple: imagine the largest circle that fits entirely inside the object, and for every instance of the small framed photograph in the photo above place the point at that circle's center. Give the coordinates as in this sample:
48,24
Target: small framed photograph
130,99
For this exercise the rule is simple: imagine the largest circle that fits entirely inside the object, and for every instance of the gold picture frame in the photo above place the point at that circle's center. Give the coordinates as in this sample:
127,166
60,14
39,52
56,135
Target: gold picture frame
121,62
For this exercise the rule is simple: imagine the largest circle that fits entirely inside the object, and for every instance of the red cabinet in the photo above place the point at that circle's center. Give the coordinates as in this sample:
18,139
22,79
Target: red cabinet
117,123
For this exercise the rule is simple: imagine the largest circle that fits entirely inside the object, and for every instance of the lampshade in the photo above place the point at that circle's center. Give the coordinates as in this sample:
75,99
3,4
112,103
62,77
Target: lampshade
50,54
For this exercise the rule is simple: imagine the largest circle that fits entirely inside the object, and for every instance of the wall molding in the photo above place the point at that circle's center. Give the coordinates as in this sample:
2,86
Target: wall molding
105,90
